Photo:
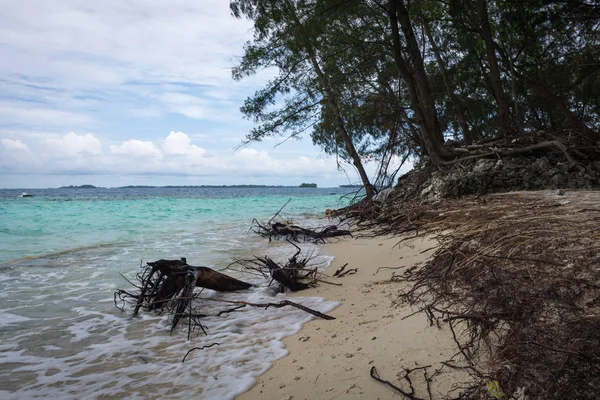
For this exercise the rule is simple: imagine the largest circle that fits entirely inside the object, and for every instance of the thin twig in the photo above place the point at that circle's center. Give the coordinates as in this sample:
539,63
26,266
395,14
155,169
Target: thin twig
198,348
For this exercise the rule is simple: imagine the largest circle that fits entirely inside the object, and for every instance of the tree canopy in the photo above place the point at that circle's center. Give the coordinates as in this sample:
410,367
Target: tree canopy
372,79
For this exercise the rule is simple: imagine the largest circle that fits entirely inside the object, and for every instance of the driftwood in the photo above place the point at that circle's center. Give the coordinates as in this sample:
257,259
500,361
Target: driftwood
163,279
168,285
297,233
515,279
286,229
294,274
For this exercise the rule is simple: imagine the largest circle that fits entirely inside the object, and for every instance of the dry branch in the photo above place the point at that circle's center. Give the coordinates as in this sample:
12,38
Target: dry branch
294,274
278,230
515,277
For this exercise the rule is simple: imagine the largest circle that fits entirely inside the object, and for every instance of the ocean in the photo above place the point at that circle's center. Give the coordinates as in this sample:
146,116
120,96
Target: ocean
64,252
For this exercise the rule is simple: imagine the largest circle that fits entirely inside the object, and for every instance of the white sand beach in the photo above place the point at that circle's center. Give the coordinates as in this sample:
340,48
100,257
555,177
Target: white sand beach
333,359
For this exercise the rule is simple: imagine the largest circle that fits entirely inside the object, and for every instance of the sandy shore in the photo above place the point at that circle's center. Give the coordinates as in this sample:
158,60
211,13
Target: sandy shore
332,359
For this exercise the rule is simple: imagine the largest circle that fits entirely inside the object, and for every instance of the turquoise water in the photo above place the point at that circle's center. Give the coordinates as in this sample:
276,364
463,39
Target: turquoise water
60,220
62,254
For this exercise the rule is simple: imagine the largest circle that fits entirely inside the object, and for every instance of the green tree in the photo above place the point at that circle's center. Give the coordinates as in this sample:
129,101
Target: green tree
287,36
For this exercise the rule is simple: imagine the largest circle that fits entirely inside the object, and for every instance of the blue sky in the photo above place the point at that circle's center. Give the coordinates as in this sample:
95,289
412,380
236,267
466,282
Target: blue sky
124,92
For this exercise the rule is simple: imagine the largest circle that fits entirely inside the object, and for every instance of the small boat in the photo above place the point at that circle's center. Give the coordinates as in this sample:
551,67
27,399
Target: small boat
24,194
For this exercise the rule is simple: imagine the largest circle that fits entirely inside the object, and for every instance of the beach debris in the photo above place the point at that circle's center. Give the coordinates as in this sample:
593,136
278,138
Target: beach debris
515,280
168,285
286,229
289,231
340,272
495,390
294,275
407,394
198,348
163,279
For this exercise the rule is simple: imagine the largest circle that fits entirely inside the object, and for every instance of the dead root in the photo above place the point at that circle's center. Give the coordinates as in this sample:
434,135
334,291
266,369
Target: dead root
516,279
278,230
294,275
169,286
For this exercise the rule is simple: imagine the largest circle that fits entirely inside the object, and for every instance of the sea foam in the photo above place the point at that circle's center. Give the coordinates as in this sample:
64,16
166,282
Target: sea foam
62,337
91,350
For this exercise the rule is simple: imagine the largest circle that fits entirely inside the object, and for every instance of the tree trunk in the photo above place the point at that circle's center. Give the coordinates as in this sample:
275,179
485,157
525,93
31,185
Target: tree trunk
577,122
418,70
458,106
341,126
412,132
501,99
433,145
331,99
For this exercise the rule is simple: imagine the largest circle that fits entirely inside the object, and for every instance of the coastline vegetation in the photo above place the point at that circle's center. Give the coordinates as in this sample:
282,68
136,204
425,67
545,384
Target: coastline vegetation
434,81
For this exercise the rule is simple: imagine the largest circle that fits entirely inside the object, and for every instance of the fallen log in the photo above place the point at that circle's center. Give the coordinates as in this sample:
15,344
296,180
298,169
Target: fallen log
169,285
163,279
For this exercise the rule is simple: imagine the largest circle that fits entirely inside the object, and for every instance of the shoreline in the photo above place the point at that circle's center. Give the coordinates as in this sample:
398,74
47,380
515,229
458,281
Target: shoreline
332,359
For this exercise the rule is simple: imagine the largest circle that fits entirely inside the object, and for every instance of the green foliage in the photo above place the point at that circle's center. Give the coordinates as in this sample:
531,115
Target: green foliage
548,55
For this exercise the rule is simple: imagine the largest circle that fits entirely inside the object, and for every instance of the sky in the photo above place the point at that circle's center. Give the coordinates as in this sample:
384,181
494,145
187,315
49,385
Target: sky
136,92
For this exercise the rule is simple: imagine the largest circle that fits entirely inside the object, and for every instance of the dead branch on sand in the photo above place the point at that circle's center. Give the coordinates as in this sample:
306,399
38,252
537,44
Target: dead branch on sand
515,278
294,275
168,285
297,233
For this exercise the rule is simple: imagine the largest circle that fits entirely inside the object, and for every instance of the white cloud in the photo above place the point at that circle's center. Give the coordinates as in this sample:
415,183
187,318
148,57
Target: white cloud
196,107
136,148
97,43
15,145
178,157
190,106
179,144
72,144
26,113
96,66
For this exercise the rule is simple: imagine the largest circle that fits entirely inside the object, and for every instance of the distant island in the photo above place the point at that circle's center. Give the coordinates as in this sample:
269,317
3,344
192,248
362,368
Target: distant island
303,185
351,186
198,186
78,187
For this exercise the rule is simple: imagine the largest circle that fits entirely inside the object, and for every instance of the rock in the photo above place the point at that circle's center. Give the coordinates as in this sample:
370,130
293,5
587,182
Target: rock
382,196
561,192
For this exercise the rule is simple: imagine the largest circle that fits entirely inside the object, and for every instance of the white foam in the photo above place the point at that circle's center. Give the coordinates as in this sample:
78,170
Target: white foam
8,318
75,344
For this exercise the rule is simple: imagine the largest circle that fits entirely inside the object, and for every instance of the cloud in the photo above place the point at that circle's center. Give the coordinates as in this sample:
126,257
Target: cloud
175,156
75,64
75,145
131,71
15,145
114,42
136,148
210,108
179,144
32,114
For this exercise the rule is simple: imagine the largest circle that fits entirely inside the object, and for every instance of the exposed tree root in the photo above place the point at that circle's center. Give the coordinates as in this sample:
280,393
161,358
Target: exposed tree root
296,233
515,279
294,275
168,286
